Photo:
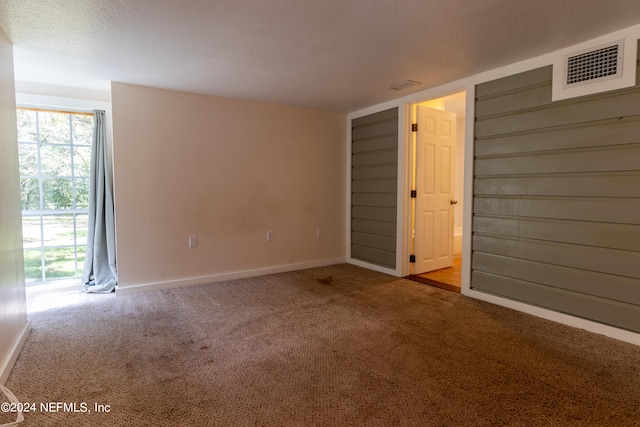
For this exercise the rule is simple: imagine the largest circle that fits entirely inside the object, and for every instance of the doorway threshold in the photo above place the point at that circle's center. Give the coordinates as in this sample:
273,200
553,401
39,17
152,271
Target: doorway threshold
449,278
441,285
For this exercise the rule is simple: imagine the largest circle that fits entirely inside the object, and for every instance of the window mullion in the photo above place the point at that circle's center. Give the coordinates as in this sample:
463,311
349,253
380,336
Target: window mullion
73,171
74,196
41,198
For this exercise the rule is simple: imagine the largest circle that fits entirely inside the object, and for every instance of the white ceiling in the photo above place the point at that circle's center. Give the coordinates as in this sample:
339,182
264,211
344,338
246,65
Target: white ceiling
338,55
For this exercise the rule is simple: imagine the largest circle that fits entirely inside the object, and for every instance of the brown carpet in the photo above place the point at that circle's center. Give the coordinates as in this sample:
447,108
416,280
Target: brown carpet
331,346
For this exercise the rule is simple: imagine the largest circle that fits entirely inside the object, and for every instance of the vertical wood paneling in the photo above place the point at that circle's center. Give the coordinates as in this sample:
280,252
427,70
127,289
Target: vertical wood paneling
557,200
374,166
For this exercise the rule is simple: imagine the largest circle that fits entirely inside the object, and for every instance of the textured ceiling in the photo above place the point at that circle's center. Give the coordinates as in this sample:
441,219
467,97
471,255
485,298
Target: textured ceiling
338,55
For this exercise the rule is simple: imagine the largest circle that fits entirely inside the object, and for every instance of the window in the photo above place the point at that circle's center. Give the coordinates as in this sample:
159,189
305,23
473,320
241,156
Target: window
55,156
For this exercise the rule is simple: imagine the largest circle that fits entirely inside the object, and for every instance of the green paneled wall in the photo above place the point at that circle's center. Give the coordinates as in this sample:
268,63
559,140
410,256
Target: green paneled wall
557,199
374,183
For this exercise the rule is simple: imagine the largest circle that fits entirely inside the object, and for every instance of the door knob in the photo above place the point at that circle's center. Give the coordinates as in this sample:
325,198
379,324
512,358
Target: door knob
453,202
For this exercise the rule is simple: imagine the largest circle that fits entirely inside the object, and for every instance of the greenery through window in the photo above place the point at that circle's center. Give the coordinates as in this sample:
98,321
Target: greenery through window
55,156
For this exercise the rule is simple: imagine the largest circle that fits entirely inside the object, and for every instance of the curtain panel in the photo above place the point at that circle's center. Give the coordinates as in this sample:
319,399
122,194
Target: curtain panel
99,274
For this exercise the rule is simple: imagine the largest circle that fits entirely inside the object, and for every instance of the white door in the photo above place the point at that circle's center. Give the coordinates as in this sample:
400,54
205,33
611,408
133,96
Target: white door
435,193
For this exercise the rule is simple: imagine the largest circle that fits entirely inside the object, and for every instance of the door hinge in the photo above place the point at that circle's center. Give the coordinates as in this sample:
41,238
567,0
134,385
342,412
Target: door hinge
412,258
414,194
414,127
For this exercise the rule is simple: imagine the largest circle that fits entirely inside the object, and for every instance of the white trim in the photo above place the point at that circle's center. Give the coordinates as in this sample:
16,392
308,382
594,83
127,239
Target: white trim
372,110
66,91
132,289
8,363
60,102
349,179
432,93
576,322
373,267
408,142
467,208
547,59
403,118
405,192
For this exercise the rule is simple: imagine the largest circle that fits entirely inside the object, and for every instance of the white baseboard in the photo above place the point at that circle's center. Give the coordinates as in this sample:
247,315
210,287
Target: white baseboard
127,290
7,364
373,267
457,245
576,322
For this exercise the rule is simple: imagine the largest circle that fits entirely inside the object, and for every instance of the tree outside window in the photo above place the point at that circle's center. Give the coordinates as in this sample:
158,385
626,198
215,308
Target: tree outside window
55,156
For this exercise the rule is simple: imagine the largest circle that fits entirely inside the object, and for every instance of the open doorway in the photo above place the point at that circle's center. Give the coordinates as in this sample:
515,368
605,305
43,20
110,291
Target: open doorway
437,184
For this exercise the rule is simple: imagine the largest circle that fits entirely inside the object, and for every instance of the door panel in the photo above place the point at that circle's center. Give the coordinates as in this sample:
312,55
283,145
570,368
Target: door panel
435,168
425,247
446,235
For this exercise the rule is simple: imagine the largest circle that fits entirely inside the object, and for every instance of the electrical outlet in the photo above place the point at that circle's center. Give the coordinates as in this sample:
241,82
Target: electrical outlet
269,236
193,241
319,232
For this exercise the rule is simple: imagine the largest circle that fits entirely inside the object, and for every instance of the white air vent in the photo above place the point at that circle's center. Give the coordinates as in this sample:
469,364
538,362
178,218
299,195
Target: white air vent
595,69
594,65
404,84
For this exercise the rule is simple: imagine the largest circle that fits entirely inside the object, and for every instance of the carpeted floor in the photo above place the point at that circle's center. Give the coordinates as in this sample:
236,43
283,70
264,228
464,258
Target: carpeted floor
331,346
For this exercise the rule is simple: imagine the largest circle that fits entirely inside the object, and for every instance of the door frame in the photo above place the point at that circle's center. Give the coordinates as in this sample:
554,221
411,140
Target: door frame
439,240
408,174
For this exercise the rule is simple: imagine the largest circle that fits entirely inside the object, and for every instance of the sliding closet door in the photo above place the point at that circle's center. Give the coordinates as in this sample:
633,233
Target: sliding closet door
374,183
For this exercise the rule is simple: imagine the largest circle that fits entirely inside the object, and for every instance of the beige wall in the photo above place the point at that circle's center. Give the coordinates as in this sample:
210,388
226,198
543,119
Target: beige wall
13,311
226,171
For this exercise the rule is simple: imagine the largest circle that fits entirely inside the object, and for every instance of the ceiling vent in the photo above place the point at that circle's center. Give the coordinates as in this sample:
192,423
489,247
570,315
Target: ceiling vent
404,84
595,69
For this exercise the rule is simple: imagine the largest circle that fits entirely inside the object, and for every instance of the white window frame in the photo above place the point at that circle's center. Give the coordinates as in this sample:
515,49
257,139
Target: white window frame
42,212
62,103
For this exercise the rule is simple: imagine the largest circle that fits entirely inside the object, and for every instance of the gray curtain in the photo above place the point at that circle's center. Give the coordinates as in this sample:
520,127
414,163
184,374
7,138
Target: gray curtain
100,274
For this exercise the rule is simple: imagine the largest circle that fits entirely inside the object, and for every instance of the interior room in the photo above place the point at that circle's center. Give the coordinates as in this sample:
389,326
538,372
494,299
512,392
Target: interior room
319,213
